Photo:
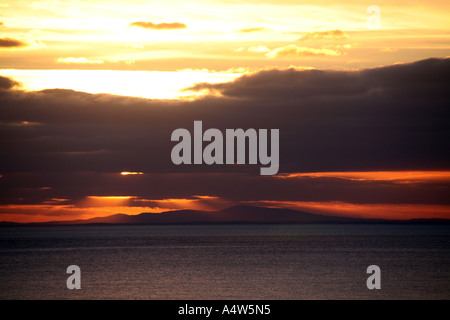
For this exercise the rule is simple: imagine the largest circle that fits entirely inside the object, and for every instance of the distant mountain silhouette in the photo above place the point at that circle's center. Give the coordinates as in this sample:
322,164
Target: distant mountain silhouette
236,214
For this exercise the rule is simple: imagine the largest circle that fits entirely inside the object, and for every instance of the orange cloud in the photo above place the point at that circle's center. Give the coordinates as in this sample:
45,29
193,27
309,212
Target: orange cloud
158,26
250,30
367,211
206,197
55,200
45,213
24,124
11,43
319,35
294,50
61,209
197,202
394,176
105,201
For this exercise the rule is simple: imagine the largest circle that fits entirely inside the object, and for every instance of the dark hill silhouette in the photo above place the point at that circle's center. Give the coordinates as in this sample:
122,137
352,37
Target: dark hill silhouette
236,214
274,215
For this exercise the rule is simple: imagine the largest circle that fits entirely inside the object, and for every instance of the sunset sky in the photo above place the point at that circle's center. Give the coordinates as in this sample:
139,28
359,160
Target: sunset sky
90,92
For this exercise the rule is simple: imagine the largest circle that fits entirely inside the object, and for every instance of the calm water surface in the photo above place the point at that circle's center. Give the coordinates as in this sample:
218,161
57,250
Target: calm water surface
226,261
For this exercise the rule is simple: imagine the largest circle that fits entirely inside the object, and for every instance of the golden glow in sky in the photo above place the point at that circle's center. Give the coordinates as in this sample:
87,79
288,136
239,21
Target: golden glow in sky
143,84
154,49
127,173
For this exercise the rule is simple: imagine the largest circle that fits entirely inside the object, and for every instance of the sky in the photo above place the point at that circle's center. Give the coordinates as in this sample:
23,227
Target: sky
90,92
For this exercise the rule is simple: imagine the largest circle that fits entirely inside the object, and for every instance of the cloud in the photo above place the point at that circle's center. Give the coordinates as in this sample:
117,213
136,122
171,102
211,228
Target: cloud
325,35
251,30
11,43
83,192
421,78
80,60
58,212
359,118
394,176
258,49
340,125
7,83
375,211
294,50
158,26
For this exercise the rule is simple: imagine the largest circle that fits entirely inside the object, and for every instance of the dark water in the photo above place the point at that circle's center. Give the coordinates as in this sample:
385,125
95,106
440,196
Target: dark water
226,262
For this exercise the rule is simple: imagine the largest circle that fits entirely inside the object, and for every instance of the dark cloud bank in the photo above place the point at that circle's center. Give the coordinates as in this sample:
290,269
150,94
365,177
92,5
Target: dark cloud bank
387,118
11,43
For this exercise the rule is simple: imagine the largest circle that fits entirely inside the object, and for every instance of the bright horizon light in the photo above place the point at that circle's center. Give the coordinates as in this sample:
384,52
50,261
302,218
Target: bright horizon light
126,173
140,84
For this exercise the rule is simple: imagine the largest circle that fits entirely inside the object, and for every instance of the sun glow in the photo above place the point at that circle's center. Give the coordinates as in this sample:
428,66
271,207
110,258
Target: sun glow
46,212
127,173
105,201
142,84
110,197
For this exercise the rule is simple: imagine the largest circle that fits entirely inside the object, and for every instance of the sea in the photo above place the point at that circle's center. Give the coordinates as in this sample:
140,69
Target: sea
230,262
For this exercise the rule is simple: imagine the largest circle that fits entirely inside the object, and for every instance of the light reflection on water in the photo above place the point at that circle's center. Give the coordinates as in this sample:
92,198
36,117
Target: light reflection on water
226,261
